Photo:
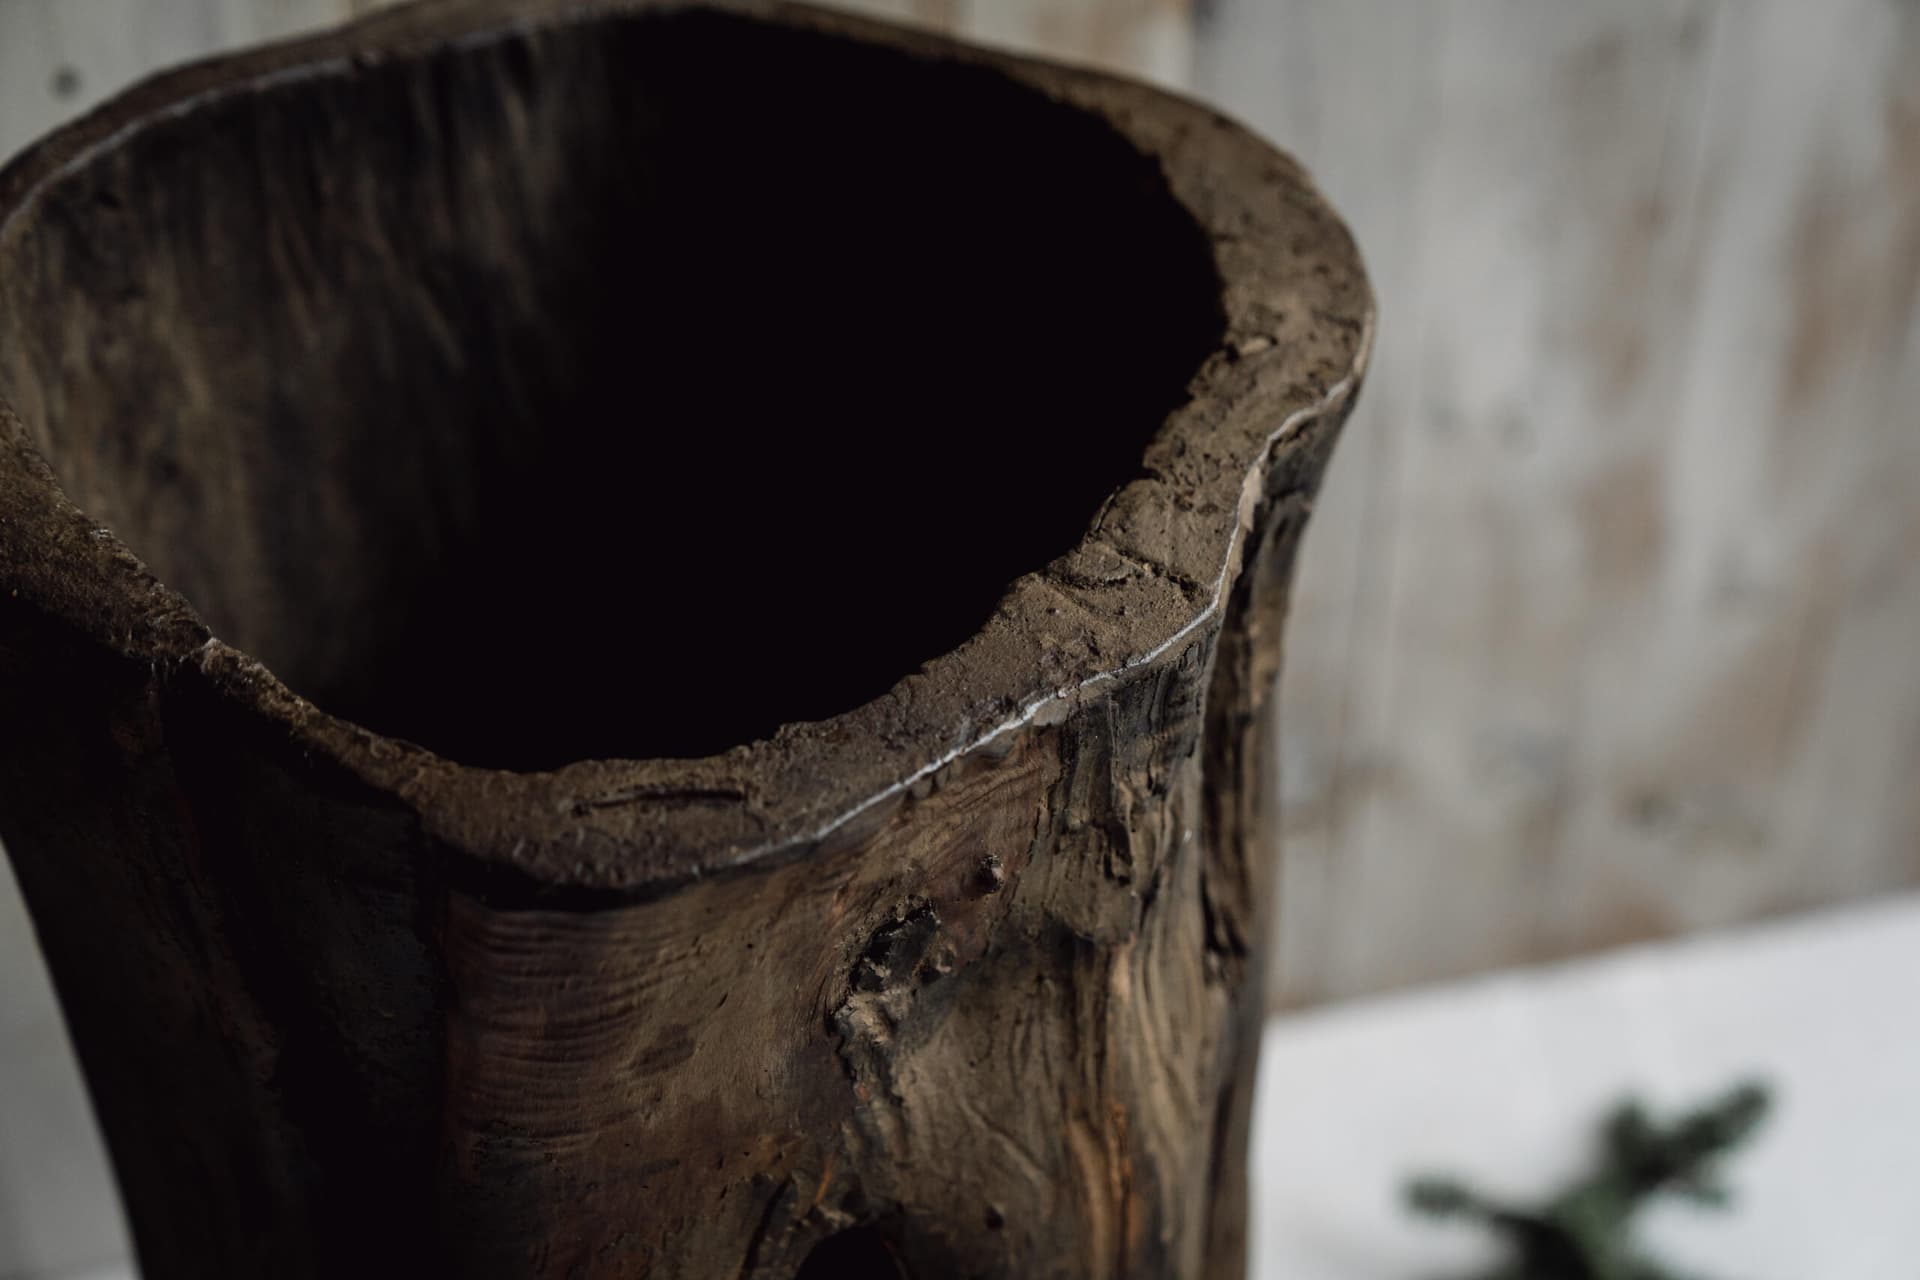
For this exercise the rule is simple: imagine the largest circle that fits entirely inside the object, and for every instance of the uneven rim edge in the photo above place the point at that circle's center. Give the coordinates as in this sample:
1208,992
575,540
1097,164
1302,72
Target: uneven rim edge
624,825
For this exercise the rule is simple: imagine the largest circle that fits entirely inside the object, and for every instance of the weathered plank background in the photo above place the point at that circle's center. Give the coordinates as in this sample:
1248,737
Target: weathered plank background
1609,622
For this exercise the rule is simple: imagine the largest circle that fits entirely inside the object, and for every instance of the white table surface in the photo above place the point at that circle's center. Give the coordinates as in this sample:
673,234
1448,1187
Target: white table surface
1501,1079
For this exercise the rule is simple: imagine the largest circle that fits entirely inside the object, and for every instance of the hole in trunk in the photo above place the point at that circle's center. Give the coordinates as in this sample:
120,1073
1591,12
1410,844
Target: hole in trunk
858,1253
623,389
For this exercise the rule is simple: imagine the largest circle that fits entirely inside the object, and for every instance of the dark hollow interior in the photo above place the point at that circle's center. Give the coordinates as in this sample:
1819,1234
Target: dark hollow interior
623,389
858,1253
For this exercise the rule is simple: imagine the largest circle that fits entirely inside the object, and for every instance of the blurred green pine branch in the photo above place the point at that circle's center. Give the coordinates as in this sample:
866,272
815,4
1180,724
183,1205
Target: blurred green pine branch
1586,1231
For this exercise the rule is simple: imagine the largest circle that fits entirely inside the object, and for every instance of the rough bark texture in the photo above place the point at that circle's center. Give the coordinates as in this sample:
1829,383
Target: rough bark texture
964,981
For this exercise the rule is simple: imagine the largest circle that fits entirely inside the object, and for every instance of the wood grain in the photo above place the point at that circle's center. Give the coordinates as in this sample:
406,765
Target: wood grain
60,57
407,915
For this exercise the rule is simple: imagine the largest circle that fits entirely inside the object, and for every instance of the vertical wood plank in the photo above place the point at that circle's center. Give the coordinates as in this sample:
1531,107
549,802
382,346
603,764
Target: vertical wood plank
1152,39
1548,248
1347,122
1147,38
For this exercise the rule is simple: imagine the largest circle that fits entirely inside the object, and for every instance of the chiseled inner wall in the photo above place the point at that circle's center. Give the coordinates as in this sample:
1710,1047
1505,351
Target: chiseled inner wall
546,398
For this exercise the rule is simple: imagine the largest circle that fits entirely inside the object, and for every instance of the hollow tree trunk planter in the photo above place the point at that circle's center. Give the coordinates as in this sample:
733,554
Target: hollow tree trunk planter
431,450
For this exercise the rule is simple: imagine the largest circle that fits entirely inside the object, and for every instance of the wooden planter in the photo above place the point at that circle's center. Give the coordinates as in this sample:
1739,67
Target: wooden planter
429,452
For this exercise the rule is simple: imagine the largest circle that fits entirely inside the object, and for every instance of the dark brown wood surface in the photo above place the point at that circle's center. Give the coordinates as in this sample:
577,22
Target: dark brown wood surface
422,460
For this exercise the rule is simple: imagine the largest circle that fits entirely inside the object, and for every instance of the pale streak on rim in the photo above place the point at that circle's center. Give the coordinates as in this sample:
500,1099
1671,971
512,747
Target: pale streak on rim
1249,491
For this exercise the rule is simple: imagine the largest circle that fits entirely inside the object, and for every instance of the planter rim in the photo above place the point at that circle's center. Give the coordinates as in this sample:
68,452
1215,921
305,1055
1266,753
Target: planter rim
1156,566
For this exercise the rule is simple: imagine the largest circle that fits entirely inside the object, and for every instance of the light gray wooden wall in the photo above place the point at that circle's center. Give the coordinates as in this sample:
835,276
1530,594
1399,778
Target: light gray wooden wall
1609,620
